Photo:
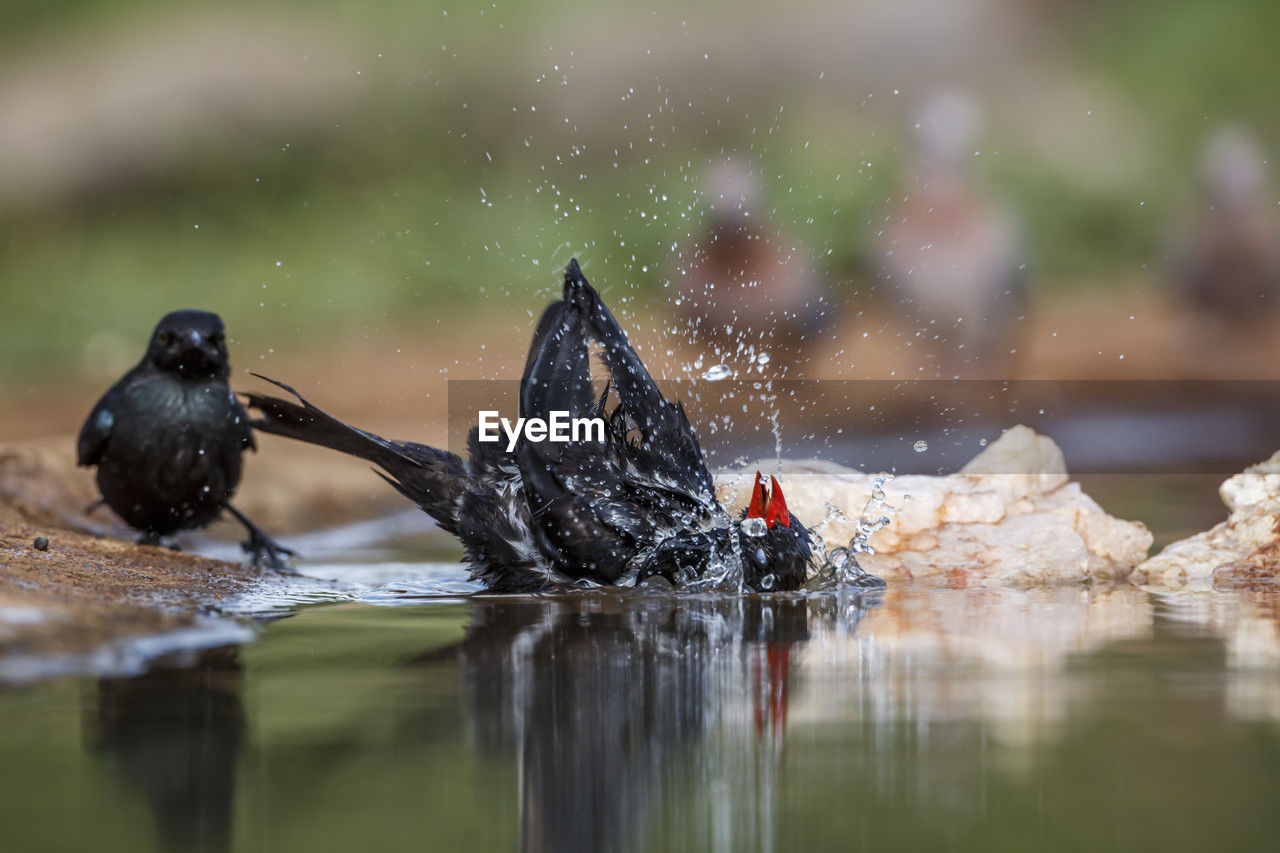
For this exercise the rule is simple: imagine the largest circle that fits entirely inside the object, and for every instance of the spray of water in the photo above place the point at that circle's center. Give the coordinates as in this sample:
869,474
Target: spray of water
840,569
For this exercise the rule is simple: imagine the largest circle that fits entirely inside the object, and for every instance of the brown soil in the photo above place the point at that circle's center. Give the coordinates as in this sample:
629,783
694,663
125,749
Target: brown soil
90,589
94,584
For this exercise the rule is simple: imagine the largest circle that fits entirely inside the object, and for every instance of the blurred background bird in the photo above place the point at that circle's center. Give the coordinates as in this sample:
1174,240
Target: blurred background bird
950,256
1227,260
747,288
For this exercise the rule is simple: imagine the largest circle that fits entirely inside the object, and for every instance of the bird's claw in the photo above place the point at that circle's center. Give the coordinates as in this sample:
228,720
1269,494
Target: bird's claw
266,552
263,551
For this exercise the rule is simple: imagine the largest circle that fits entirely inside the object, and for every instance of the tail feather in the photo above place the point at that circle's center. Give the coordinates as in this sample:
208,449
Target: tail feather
431,478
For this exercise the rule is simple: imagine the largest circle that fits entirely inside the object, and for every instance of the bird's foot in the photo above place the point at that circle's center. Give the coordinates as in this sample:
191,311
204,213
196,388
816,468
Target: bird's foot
261,548
266,552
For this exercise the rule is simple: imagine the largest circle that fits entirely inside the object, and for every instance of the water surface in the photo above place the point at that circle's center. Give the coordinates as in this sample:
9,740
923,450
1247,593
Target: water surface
384,705
915,720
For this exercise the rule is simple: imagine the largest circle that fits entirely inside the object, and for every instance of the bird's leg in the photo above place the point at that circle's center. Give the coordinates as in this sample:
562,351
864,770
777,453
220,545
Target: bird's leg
95,506
149,538
261,548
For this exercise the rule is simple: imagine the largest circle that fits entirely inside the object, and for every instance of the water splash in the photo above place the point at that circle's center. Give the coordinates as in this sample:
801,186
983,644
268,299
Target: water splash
724,573
840,568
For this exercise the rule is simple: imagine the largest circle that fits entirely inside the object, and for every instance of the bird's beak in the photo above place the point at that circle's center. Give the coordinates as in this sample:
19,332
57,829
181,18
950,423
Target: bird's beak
758,500
193,340
772,508
777,512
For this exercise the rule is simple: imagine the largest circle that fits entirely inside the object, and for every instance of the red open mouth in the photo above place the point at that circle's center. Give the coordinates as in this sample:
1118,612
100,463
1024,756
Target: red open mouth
773,509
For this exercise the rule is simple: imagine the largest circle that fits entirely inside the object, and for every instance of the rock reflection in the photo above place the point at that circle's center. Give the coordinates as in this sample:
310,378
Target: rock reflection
1248,625
604,700
934,675
175,734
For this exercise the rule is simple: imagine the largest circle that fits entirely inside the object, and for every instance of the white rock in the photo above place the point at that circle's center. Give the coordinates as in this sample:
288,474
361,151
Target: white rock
1242,550
1011,517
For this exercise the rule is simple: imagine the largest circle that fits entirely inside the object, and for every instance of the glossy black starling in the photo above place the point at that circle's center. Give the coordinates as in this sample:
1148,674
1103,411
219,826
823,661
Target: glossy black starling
167,437
639,503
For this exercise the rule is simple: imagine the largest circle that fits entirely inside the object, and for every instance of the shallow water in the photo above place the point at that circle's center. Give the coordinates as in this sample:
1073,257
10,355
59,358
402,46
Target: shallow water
381,708
918,719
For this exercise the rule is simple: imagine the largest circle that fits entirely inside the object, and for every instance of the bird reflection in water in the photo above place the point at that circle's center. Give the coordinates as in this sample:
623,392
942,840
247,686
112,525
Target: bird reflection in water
175,734
612,705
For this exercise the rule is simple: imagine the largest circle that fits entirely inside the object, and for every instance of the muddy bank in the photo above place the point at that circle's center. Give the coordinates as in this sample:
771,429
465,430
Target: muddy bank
82,590
90,583
83,587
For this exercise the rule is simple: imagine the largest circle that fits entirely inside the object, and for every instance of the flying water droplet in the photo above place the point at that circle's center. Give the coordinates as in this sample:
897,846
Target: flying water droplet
716,373
754,527
920,446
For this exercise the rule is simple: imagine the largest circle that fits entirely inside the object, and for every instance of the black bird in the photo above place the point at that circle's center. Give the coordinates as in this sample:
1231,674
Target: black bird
640,503
167,437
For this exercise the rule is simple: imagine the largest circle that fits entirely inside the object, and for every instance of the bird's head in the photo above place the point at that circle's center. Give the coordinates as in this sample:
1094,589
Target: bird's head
776,550
191,344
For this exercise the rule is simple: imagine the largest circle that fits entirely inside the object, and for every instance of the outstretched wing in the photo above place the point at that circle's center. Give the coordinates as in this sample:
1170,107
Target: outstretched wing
668,450
595,503
578,504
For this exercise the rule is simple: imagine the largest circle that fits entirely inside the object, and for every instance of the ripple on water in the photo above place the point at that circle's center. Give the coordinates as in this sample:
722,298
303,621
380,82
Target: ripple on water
376,583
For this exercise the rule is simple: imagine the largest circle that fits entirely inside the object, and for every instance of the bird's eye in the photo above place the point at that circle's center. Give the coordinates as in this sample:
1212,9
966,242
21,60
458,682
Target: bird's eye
761,557
166,339
216,339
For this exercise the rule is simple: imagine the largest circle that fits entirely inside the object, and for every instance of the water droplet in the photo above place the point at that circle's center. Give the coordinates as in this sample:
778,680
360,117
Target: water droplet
715,374
754,527
762,358
920,446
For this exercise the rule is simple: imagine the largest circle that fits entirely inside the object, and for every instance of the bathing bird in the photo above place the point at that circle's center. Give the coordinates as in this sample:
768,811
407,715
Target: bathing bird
168,437
545,514
747,288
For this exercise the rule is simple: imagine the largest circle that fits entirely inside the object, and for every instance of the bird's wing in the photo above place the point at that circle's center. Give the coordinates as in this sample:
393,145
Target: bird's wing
577,501
557,372
97,427
591,502
670,449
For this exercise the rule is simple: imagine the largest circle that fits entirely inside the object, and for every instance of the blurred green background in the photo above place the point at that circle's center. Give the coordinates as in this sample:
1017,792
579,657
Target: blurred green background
310,169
